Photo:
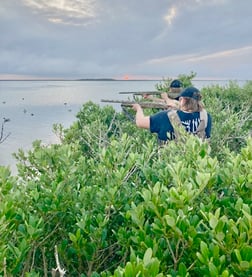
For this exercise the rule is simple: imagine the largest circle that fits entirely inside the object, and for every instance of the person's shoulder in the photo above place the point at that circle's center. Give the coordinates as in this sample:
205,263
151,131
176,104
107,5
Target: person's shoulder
204,111
159,115
187,114
208,114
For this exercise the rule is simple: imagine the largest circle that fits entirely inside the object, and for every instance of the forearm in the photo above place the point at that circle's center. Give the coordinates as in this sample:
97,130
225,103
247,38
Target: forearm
159,100
172,103
154,99
142,121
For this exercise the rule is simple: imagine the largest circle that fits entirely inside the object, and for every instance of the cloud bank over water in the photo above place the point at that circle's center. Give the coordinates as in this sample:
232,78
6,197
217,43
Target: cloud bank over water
113,39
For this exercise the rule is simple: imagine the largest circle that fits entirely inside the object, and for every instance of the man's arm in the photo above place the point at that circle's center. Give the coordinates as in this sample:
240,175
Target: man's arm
170,102
154,99
142,121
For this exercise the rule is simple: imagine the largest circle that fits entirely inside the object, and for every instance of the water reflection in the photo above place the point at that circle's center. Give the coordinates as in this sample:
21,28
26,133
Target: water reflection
34,106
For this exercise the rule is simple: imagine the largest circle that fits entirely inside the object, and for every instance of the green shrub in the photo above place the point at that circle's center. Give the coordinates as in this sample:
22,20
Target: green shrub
116,204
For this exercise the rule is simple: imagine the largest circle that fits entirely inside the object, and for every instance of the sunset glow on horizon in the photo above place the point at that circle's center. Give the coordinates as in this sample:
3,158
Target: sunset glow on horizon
128,77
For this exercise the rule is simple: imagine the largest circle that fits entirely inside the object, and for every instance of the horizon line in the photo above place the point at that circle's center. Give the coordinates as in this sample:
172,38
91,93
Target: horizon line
128,77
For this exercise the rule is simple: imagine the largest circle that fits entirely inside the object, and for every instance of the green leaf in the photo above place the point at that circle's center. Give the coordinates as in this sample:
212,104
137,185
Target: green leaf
246,253
147,256
132,255
225,273
153,267
220,236
72,237
244,265
213,270
146,195
204,249
128,270
202,179
201,258
156,188
170,221
238,255
182,270
213,221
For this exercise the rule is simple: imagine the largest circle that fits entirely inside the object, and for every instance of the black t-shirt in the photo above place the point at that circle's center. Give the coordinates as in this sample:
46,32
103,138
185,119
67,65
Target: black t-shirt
160,124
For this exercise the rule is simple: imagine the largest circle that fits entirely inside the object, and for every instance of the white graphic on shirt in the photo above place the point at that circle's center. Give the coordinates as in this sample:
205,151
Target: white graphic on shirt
191,125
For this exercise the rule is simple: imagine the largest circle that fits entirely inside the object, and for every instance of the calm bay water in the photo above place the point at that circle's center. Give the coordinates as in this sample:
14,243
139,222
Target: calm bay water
34,106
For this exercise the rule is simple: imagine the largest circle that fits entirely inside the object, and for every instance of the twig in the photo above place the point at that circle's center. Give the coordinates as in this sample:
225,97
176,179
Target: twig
2,138
132,170
4,264
44,262
58,269
111,123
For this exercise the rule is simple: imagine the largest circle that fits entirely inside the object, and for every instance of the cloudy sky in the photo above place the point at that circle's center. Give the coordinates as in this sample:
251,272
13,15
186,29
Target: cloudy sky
125,38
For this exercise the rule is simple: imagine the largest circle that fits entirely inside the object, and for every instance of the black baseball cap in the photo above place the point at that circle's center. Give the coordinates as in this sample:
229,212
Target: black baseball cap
176,84
191,92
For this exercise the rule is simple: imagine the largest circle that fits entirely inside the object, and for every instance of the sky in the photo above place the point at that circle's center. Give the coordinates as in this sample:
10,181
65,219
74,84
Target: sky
125,39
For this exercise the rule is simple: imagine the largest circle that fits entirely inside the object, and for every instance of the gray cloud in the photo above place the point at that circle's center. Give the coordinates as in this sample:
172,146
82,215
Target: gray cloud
64,12
101,38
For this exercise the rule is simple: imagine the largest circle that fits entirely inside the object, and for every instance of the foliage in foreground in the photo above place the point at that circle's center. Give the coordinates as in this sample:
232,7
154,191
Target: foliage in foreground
116,205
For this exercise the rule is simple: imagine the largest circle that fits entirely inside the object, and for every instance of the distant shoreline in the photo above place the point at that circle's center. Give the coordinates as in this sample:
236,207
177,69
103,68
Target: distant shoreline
114,80
68,80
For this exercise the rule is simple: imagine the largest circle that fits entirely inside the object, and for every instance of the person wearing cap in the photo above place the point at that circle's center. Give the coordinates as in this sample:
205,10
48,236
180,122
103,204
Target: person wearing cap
176,87
189,113
170,98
